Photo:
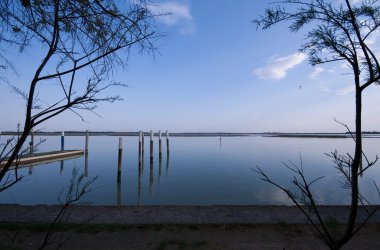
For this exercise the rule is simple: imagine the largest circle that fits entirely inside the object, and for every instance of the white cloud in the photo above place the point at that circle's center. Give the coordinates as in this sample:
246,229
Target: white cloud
324,89
352,1
346,90
316,72
174,14
332,70
277,68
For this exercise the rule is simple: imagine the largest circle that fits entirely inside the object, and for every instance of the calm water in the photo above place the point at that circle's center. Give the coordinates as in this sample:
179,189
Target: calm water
198,171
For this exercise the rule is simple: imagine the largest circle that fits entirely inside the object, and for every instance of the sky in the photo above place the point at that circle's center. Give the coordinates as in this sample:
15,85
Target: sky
212,72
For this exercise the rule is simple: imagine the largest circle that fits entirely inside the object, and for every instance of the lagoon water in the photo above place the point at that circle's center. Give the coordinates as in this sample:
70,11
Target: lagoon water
198,171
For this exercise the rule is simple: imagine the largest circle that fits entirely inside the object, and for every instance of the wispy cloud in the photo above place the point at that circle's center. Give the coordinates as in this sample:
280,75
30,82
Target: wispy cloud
174,14
324,89
316,72
277,68
346,90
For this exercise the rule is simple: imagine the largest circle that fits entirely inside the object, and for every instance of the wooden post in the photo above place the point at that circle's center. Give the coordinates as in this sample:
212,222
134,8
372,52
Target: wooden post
86,146
63,140
18,131
167,143
142,151
151,145
159,145
31,143
140,144
119,159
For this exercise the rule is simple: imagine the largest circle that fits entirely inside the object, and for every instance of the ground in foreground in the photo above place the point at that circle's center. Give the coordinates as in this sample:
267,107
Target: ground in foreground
278,236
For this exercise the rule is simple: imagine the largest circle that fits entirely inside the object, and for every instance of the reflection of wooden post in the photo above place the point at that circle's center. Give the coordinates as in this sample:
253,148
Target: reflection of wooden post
167,143
151,178
151,145
63,140
31,143
159,145
119,159
30,172
118,198
86,165
62,167
86,146
139,187
159,170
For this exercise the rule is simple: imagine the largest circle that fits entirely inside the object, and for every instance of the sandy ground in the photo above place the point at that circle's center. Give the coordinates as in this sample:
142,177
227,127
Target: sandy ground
176,227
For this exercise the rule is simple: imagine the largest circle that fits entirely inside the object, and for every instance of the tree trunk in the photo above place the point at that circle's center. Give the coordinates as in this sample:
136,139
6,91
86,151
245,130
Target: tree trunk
355,168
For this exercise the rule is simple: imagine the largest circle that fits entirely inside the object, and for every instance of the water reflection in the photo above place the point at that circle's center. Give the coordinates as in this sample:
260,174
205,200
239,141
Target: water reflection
118,193
151,179
167,165
86,165
139,185
159,170
62,165
222,173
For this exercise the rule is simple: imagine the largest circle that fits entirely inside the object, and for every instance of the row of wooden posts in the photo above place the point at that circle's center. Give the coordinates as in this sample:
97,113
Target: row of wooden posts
141,143
141,149
120,148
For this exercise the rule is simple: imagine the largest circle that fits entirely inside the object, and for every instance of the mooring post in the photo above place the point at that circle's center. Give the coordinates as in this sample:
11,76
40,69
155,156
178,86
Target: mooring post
119,159
159,145
63,140
167,143
142,151
151,145
31,143
18,131
140,144
86,144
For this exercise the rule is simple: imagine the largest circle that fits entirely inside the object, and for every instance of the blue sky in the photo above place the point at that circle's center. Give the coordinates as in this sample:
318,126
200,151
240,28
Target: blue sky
214,72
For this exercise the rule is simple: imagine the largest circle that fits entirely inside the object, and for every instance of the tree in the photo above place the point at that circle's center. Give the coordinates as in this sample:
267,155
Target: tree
91,37
335,31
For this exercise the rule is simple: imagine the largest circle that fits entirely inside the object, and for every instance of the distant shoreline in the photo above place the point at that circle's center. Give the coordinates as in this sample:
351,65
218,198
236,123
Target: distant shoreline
203,134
